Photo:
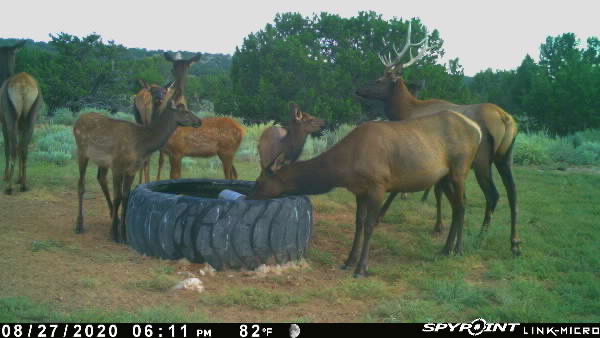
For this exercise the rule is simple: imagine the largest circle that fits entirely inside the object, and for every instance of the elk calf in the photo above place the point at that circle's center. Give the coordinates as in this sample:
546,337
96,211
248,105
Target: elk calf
218,136
149,102
123,147
288,141
379,157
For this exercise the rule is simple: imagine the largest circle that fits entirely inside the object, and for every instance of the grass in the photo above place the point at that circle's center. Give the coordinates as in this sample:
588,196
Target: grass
253,298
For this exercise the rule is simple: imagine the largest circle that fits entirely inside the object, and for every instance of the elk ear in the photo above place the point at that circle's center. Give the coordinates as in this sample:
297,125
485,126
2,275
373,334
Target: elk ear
19,45
196,58
295,111
168,57
169,85
143,84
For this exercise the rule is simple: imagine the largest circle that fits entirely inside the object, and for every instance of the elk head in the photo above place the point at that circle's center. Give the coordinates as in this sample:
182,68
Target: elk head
7,60
381,88
180,66
269,184
184,117
304,122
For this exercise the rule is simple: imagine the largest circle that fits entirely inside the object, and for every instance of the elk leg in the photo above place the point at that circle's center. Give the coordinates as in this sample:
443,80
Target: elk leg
425,195
373,205
160,164
6,151
439,224
386,205
12,155
458,209
83,162
447,188
504,167
127,181
118,191
147,170
102,172
361,214
175,166
23,150
227,162
483,173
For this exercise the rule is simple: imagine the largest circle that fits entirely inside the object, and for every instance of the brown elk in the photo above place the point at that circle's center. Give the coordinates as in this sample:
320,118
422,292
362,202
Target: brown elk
288,141
179,71
498,127
122,146
220,136
149,102
20,102
380,157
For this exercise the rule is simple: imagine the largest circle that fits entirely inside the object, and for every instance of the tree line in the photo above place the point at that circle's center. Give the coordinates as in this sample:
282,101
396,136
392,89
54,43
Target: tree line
318,62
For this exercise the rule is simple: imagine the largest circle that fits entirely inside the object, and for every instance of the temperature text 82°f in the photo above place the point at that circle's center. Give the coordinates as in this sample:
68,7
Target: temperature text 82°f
254,331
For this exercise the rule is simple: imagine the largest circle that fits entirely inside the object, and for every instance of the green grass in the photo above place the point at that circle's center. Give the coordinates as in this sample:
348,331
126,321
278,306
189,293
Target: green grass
22,309
254,298
557,278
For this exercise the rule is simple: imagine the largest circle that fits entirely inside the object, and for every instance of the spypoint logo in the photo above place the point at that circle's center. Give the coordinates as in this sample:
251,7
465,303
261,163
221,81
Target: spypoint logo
475,328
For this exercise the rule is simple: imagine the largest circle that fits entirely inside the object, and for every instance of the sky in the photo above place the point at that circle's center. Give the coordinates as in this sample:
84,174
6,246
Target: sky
482,34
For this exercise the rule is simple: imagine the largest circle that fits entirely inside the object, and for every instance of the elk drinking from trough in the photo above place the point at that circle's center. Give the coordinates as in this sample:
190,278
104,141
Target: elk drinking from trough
20,102
498,128
380,157
288,141
122,146
149,102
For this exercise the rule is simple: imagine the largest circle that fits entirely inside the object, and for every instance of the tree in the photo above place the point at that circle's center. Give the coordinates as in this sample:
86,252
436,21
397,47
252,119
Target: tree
317,62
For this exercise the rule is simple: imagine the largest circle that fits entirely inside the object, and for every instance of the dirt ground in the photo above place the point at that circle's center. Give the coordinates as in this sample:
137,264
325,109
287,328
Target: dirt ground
43,259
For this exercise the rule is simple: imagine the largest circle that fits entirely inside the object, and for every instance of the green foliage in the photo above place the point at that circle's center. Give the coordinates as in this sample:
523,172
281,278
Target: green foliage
559,92
317,62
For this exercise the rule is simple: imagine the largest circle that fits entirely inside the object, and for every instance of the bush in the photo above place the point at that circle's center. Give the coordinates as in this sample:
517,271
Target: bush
532,149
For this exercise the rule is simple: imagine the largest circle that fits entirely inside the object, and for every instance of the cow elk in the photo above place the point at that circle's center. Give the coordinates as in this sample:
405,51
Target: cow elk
122,146
218,136
380,157
288,141
498,127
20,102
148,103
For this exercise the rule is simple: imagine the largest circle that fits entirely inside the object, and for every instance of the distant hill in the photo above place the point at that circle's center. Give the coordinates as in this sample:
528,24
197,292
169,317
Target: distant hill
208,64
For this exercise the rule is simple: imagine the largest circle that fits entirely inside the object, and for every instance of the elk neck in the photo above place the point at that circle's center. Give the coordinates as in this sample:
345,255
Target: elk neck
7,65
296,139
155,135
309,177
400,104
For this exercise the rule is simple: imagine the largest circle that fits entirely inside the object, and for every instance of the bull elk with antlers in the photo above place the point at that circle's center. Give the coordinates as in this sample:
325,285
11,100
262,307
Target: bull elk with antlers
122,146
498,128
149,102
380,157
288,141
20,102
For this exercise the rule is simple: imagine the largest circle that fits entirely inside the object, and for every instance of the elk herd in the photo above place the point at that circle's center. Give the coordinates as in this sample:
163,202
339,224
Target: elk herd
425,144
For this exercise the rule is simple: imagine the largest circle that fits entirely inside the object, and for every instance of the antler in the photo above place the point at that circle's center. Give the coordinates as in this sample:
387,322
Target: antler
389,63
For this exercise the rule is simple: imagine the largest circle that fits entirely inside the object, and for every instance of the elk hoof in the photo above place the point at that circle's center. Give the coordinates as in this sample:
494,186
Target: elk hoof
445,252
8,191
516,250
78,229
24,188
345,266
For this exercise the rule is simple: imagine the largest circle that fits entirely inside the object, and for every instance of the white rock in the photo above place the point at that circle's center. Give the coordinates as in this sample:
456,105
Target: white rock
193,284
